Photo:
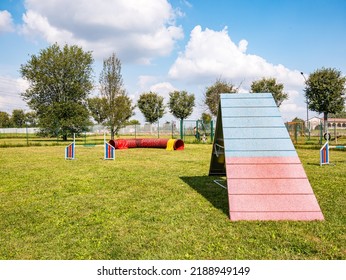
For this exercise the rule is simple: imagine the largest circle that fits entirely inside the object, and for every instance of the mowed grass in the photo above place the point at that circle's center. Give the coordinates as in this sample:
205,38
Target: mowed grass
151,204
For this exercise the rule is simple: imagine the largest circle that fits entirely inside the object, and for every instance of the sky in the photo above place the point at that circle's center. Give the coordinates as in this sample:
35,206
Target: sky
167,45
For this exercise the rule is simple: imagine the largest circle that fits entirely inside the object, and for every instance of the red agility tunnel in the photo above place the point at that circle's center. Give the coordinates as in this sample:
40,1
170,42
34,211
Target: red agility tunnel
169,144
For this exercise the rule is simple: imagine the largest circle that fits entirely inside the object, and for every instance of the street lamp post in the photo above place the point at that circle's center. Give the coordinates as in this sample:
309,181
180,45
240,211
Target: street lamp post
307,109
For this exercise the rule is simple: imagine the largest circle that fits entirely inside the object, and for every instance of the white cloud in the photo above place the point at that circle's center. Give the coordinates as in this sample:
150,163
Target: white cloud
242,46
213,54
163,89
144,81
210,55
153,84
137,30
295,106
6,22
10,90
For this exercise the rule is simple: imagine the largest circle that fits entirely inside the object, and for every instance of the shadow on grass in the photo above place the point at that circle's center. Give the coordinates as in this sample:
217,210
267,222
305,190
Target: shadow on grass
205,186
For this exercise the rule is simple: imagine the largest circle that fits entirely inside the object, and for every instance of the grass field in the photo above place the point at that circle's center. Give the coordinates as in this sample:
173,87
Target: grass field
151,204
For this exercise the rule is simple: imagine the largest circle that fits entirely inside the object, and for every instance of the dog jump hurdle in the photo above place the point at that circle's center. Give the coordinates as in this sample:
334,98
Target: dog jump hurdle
70,149
109,150
324,152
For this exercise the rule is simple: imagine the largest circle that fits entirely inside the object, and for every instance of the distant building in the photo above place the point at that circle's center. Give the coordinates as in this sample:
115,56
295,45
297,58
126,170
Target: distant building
340,123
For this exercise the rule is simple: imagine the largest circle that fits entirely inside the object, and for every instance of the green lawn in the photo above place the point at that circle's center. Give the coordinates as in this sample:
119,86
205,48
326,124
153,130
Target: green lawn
151,204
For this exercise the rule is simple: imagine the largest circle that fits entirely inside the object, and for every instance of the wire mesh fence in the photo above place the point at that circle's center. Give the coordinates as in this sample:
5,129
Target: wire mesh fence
193,131
190,131
316,134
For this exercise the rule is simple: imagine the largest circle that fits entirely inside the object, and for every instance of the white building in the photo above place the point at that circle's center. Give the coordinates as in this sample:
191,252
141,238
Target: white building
340,123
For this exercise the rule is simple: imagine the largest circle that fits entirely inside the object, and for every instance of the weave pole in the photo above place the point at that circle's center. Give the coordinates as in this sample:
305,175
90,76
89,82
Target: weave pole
109,150
70,149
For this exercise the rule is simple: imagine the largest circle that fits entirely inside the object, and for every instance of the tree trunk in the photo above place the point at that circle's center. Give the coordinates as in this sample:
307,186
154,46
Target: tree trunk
325,122
64,137
181,129
112,134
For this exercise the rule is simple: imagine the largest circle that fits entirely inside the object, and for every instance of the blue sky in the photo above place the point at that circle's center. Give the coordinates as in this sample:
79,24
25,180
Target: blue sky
179,44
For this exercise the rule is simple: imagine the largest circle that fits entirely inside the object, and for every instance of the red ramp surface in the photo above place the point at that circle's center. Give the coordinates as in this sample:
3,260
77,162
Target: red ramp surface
265,178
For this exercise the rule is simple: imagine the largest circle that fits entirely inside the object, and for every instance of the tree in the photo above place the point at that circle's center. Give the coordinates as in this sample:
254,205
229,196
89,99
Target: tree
118,108
270,85
132,122
297,120
325,90
151,106
341,114
31,119
59,83
18,118
97,107
206,118
212,94
5,119
181,106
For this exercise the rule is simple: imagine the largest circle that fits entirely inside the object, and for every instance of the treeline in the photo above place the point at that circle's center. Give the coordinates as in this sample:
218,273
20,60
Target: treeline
18,119
61,82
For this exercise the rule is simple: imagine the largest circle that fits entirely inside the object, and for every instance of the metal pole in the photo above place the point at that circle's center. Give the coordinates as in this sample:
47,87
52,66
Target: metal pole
212,131
27,136
307,110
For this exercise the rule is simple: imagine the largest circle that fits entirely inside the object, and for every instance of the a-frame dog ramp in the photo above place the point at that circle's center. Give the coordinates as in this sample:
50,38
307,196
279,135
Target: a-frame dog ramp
252,148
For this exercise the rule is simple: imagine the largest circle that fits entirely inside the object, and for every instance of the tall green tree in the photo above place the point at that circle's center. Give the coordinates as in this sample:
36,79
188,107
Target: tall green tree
181,106
272,86
325,92
31,119
206,118
118,108
151,105
5,119
18,118
97,107
341,114
60,80
212,94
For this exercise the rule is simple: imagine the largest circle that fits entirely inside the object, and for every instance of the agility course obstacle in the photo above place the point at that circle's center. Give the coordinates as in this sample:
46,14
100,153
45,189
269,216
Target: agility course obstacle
324,154
168,144
109,150
70,149
252,148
